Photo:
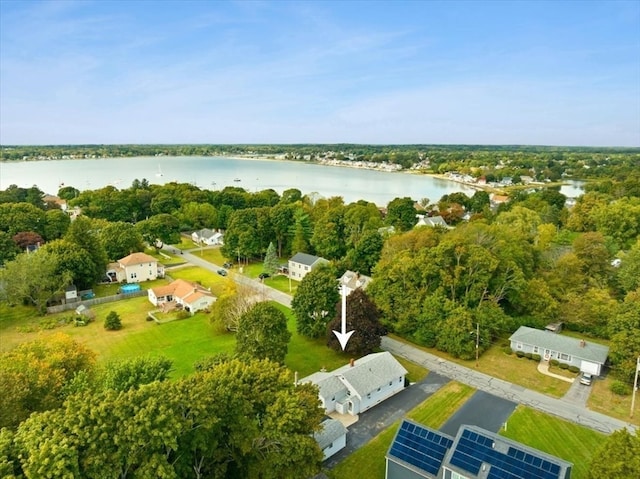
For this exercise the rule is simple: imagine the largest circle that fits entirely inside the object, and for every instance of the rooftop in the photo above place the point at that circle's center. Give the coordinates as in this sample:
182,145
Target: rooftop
578,348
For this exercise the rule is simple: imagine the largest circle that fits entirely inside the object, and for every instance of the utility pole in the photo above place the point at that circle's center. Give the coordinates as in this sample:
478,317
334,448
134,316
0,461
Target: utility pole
635,388
478,343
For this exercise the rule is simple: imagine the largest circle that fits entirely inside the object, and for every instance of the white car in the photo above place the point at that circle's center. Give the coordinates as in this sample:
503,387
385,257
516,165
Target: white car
585,379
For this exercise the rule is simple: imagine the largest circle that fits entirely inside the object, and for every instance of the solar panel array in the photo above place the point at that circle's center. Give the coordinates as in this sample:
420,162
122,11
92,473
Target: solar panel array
420,447
473,449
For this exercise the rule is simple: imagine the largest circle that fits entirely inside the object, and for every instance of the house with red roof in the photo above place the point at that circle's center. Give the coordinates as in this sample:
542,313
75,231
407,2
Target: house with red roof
183,294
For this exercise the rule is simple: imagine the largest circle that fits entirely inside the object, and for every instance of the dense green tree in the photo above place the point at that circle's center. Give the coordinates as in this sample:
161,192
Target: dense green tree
624,330
271,262
366,252
33,375
617,458
281,216
8,248
619,220
301,231
120,239
401,214
363,318
291,195
33,279
591,250
17,217
68,192
163,227
112,322
125,374
84,233
195,216
328,234
590,311
315,300
629,270
238,419
231,306
359,219
56,224
263,334
479,201
72,262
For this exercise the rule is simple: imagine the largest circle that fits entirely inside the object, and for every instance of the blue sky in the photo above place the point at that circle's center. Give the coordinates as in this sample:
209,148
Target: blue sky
544,73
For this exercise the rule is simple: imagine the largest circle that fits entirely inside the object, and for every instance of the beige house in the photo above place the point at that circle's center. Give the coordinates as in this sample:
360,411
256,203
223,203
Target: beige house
135,268
190,296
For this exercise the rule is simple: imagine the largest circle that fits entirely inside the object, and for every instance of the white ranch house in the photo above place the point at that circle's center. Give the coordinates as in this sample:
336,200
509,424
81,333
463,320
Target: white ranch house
190,296
360,385
588,356
135,268
352,280
302,263
207,237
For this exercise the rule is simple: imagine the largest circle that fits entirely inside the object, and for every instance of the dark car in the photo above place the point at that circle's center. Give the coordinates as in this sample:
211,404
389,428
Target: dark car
222,272
228,265
264,275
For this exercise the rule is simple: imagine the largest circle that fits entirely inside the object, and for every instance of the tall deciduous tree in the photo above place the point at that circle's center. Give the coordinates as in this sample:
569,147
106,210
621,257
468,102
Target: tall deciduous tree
238,419
84,233
315,300
163,227
33,375
73,262
401,214
33,279
120,239
8,248
263,334
363,317
617,458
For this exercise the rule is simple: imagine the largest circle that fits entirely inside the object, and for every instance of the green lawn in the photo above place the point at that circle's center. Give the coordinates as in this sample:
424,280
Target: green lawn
496,363
555,436
208,279
369,461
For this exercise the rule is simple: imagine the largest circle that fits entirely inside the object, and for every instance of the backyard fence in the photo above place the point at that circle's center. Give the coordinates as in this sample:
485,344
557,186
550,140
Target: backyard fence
92,302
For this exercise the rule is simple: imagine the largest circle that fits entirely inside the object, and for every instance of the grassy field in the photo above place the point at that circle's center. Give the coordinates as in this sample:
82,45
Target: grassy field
496,363
369,460
555,436
218,284
602,400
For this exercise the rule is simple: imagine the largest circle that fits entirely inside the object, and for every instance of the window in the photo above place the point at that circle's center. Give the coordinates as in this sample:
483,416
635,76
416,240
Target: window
133,275
565,357
400,379
369,396
535,350
306,268
519,345
390,383
378,389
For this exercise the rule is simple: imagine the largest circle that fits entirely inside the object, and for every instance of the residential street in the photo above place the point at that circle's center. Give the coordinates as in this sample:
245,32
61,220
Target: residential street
564,408
512,392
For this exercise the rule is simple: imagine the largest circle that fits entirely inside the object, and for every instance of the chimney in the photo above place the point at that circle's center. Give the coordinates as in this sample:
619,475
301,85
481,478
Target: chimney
352,362
582,343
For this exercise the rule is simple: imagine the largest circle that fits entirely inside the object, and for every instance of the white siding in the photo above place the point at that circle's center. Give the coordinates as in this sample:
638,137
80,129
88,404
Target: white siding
335,446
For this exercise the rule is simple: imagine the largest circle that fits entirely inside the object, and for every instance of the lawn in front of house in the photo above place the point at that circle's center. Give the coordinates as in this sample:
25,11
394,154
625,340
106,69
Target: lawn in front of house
555,436
602,400
219,285
508,367
369,460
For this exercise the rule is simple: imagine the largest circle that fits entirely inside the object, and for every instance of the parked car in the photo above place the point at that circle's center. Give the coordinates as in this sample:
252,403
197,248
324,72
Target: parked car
586,378
264,275
228,265
222,272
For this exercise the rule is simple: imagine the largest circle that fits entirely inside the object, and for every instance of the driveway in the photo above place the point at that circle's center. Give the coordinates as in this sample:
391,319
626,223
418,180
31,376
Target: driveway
380,417
483,410
578,394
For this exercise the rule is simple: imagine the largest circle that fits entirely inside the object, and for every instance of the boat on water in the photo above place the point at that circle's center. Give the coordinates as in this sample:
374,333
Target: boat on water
159,173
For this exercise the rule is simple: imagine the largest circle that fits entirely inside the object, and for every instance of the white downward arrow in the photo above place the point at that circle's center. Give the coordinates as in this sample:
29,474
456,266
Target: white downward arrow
343,336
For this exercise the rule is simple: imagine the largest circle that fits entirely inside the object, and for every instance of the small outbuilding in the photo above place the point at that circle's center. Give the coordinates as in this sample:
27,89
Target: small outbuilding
331,438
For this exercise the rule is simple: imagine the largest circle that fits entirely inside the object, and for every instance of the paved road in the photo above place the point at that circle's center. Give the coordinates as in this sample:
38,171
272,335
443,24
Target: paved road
512,392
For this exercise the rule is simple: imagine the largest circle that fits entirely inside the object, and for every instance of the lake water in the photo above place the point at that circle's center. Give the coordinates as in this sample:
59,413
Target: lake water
352,184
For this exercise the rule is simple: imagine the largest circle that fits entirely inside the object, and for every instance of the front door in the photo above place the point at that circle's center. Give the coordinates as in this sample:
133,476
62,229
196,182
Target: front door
547,354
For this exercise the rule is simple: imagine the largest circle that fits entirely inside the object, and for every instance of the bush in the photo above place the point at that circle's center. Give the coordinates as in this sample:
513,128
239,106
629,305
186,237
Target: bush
520,354
536,357
112,322
554,362
507,350
563,366
528,355
574,369
620,388
183,314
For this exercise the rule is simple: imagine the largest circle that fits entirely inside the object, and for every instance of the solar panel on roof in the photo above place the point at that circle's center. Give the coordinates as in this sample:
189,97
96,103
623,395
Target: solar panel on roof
420,447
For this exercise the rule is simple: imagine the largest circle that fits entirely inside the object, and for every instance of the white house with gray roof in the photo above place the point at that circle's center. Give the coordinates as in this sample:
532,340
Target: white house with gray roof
432,221
359,385
331,438
207,237
588,356
352,280
302,263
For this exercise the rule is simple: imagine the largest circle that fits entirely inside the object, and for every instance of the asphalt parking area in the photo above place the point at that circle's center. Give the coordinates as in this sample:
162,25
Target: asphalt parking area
483,410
